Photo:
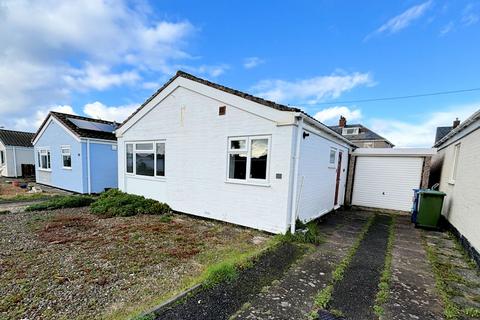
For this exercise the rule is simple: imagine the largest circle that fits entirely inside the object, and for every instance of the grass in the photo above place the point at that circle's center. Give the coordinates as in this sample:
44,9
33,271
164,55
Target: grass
61,202
117,203
443,273
25,197
308,233
324,296
385,279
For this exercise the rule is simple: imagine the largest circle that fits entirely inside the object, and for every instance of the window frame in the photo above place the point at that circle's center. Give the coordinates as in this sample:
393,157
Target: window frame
49,159
454,169
332,165
134,158
356,130
248,151
62,154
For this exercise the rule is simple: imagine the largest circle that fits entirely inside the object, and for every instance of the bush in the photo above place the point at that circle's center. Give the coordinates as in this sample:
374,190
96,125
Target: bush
306,233
117,203
61,202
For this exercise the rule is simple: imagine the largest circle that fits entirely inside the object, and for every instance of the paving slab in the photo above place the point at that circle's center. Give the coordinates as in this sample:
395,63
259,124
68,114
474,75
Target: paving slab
412,288
292,297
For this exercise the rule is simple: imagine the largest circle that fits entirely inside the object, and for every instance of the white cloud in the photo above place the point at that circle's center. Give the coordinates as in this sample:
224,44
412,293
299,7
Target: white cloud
53,48
447,28
311,90
252,62
331,115
32,123
420,133
98,110
100,77
471,14
402,20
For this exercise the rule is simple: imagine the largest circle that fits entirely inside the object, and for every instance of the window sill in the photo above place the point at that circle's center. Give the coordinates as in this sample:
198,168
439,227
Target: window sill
149,178
67,168
45,170
249,183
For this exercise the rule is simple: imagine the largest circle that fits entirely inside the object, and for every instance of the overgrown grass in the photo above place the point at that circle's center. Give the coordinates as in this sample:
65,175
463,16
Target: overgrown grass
443,273
384,285
61,202
324,296
25,197
117,203
306,233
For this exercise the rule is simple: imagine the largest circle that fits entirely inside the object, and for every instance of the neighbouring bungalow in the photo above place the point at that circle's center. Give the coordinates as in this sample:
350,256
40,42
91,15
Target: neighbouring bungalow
459,158
216,152
76,153
16,154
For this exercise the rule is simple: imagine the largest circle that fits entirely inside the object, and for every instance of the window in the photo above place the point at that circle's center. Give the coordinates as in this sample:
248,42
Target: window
456,153
66,157
2,157
248,158
368,144
129,158
44,159
160,157
333,155
350,131
146,159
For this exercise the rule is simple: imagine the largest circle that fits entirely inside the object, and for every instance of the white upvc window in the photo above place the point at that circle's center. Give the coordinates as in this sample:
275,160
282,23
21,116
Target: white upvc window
248,159
66,157
145,158
456,153
332,157
350,131
2,157
368,145
44,162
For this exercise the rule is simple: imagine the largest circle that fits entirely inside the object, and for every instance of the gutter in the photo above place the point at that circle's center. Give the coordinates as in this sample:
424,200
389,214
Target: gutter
15,161
294,209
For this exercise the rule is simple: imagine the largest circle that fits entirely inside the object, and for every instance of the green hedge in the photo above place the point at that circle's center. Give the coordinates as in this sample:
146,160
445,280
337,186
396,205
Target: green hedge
61,202
117,203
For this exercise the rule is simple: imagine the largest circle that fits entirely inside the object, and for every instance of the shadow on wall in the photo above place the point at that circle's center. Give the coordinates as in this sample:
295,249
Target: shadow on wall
435,170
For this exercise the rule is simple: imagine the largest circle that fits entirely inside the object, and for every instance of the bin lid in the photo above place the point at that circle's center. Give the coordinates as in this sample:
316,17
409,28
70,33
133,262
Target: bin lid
433,192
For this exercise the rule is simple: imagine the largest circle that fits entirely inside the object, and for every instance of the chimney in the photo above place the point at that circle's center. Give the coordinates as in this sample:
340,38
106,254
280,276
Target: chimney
342,122
456,123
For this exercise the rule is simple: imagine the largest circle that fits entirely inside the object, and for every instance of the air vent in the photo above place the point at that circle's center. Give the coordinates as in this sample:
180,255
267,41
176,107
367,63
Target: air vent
222,110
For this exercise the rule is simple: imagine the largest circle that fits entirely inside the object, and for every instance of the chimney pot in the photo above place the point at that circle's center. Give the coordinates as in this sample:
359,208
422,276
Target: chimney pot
456,123
342,122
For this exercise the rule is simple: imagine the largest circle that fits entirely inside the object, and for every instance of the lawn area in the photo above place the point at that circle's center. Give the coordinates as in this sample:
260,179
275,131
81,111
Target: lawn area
69,263
10,193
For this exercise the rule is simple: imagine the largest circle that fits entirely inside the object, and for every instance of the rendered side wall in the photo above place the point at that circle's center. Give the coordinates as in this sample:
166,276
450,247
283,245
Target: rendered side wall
462,203
196,161
103,166
317,177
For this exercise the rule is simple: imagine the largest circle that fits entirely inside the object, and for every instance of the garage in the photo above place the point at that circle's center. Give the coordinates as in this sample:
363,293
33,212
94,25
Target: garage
384,178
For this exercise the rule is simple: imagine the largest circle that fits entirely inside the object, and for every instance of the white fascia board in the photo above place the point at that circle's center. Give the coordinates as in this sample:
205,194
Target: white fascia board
99,141
315,130
332,135
394,152
223,98
50,120
460,134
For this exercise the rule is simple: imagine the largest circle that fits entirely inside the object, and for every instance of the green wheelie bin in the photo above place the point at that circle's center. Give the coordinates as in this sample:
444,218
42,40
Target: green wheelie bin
430,203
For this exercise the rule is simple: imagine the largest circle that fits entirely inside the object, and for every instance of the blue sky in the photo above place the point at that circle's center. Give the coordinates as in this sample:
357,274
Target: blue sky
103,59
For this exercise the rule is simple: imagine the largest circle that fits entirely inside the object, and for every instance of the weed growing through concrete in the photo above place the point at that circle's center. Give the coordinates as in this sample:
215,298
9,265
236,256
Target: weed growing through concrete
385,279
323,297
443,273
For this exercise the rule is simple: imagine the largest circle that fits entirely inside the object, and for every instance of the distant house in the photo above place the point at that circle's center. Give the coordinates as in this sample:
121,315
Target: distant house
443,131
216,152
76,153
360,135
16,153
459,156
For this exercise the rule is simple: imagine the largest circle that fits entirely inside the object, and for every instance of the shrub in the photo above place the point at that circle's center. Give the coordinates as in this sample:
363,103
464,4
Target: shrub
306,233
117,203
61,202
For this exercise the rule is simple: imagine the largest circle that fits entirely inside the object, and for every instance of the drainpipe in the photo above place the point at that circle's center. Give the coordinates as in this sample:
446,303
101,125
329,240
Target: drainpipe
15,161
89,184
293,215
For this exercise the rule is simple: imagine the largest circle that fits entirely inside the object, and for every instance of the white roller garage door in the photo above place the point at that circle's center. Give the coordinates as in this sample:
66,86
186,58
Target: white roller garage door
386,182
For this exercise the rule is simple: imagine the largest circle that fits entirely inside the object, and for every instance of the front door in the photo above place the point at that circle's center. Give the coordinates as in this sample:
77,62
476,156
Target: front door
339,171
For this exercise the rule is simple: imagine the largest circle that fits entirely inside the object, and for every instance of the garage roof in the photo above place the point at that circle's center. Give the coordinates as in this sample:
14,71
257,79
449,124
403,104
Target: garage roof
16,138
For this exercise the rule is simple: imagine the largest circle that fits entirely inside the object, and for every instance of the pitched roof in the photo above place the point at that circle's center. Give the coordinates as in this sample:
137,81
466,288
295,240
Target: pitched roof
462,126
238,93
16,138
363,134
241,94
80,132
442,132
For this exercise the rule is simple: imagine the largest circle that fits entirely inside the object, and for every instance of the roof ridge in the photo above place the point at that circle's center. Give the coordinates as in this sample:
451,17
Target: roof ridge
83,117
